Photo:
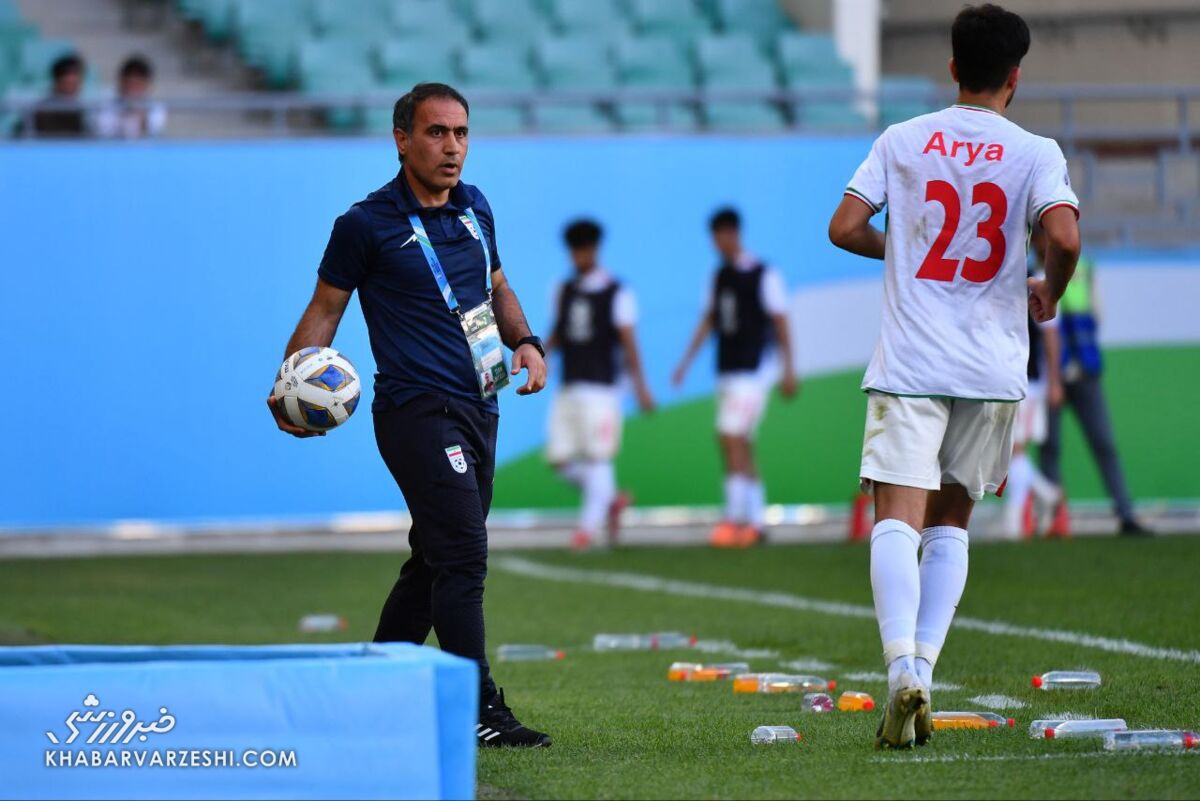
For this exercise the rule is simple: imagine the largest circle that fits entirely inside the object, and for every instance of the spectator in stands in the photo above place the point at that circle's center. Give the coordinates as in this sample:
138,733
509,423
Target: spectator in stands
1083,391
59,113
132,115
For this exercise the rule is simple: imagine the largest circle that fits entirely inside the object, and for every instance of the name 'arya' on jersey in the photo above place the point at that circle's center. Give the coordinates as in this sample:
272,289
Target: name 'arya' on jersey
937,144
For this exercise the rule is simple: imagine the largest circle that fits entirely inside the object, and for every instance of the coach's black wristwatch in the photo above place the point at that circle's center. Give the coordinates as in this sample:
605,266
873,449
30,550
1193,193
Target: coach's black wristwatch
535,341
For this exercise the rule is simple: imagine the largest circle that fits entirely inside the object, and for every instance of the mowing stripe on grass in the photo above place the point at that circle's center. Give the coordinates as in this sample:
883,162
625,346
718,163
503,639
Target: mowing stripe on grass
783,600
998,702
941,758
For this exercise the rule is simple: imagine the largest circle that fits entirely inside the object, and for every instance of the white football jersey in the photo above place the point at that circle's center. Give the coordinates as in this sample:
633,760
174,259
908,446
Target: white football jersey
961,186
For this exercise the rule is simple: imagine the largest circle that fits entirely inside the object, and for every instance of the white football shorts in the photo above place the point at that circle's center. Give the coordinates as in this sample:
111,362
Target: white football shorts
585,423
741,401
928,442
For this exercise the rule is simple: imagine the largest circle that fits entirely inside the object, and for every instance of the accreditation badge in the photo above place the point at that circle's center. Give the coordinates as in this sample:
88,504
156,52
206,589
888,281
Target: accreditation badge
487,351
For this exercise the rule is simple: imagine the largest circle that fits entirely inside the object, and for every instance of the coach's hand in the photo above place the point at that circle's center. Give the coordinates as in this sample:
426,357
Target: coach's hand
527,358
1042,303
286,425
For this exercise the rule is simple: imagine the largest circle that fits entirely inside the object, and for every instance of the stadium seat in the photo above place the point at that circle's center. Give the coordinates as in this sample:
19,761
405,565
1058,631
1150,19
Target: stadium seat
809,55
497,120
733,61
651,63
600,19
679,19
433,20
516,23
761,19
267,39
495,66
335,67
903,97
13,33
743,116
351,18
827,113
578,63
402,62
215,16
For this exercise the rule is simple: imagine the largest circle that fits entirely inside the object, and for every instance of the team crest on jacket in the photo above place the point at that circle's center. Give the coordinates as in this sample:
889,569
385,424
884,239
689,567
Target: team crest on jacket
470,225
457,460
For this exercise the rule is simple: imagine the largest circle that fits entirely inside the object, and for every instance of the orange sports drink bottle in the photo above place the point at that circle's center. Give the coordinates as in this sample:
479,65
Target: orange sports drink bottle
853,701
969,720
779,683
682,671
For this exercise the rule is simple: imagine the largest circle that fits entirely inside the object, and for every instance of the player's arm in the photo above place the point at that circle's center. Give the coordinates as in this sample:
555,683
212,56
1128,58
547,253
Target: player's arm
703,329
633,363
510,319
851,229
1062,251
783,339
317,327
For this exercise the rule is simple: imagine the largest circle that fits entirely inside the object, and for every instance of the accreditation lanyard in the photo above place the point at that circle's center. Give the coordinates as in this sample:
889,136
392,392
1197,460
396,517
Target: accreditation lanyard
435,264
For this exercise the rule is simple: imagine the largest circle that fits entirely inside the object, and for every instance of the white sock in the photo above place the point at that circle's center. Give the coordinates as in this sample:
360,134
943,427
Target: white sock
756,502
599,490
896,582
1020,482
573,472
943,577
735,498
901,670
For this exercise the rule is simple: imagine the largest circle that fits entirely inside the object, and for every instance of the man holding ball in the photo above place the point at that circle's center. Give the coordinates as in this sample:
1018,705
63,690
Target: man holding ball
421,251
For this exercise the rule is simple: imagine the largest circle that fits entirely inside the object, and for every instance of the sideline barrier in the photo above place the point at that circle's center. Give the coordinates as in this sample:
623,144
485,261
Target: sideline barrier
347,720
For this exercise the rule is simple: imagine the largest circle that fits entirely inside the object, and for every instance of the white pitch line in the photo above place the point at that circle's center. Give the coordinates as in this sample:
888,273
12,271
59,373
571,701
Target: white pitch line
943,758
784,600
998,702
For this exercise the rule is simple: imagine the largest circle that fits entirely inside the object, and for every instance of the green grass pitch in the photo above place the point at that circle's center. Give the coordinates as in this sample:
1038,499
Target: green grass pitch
623,731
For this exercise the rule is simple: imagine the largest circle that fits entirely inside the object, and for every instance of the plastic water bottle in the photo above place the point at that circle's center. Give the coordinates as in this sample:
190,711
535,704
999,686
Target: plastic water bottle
1085,728
642,642
1151,740
963,720
853,701
527,653
769,735
817,703
315,624
999,720
1067,680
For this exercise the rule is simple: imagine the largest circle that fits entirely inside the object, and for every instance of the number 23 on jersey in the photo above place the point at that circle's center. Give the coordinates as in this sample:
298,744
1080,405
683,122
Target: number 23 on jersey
936,267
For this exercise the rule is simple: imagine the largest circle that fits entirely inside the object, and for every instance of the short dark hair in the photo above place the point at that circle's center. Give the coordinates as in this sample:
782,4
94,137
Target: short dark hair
406,107
65,65
987,42
136,67
583,234
726,217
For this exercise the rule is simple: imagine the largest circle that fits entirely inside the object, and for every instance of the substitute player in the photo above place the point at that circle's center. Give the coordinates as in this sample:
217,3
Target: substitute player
594,318
962,186
421,251
747,307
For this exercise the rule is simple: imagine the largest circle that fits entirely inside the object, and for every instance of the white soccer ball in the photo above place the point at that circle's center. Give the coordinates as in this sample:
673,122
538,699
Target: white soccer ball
318,388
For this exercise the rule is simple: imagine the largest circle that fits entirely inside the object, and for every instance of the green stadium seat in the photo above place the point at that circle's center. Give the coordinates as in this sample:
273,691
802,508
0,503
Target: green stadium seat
761,19
679,19
269,44
902,97
577,62
362,19
516,23
402,62
497,120
496,66
653,63
575,119
830,113
13,33
335,67
809,56
600,19
433,20
733,61
216,16
36,56
743,116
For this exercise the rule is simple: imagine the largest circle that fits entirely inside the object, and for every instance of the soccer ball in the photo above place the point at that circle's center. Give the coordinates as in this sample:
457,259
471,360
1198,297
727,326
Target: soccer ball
318,388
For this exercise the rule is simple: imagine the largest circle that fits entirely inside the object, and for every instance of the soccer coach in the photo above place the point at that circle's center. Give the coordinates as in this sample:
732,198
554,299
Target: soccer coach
419,251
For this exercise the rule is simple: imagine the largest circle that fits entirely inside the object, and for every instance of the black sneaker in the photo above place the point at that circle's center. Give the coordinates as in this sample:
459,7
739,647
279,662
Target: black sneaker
1133,528
498,728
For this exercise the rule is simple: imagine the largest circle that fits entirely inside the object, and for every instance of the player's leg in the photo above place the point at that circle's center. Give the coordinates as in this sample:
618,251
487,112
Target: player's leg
900,463
1048,460
1092,411
756,494
565,440
730,431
